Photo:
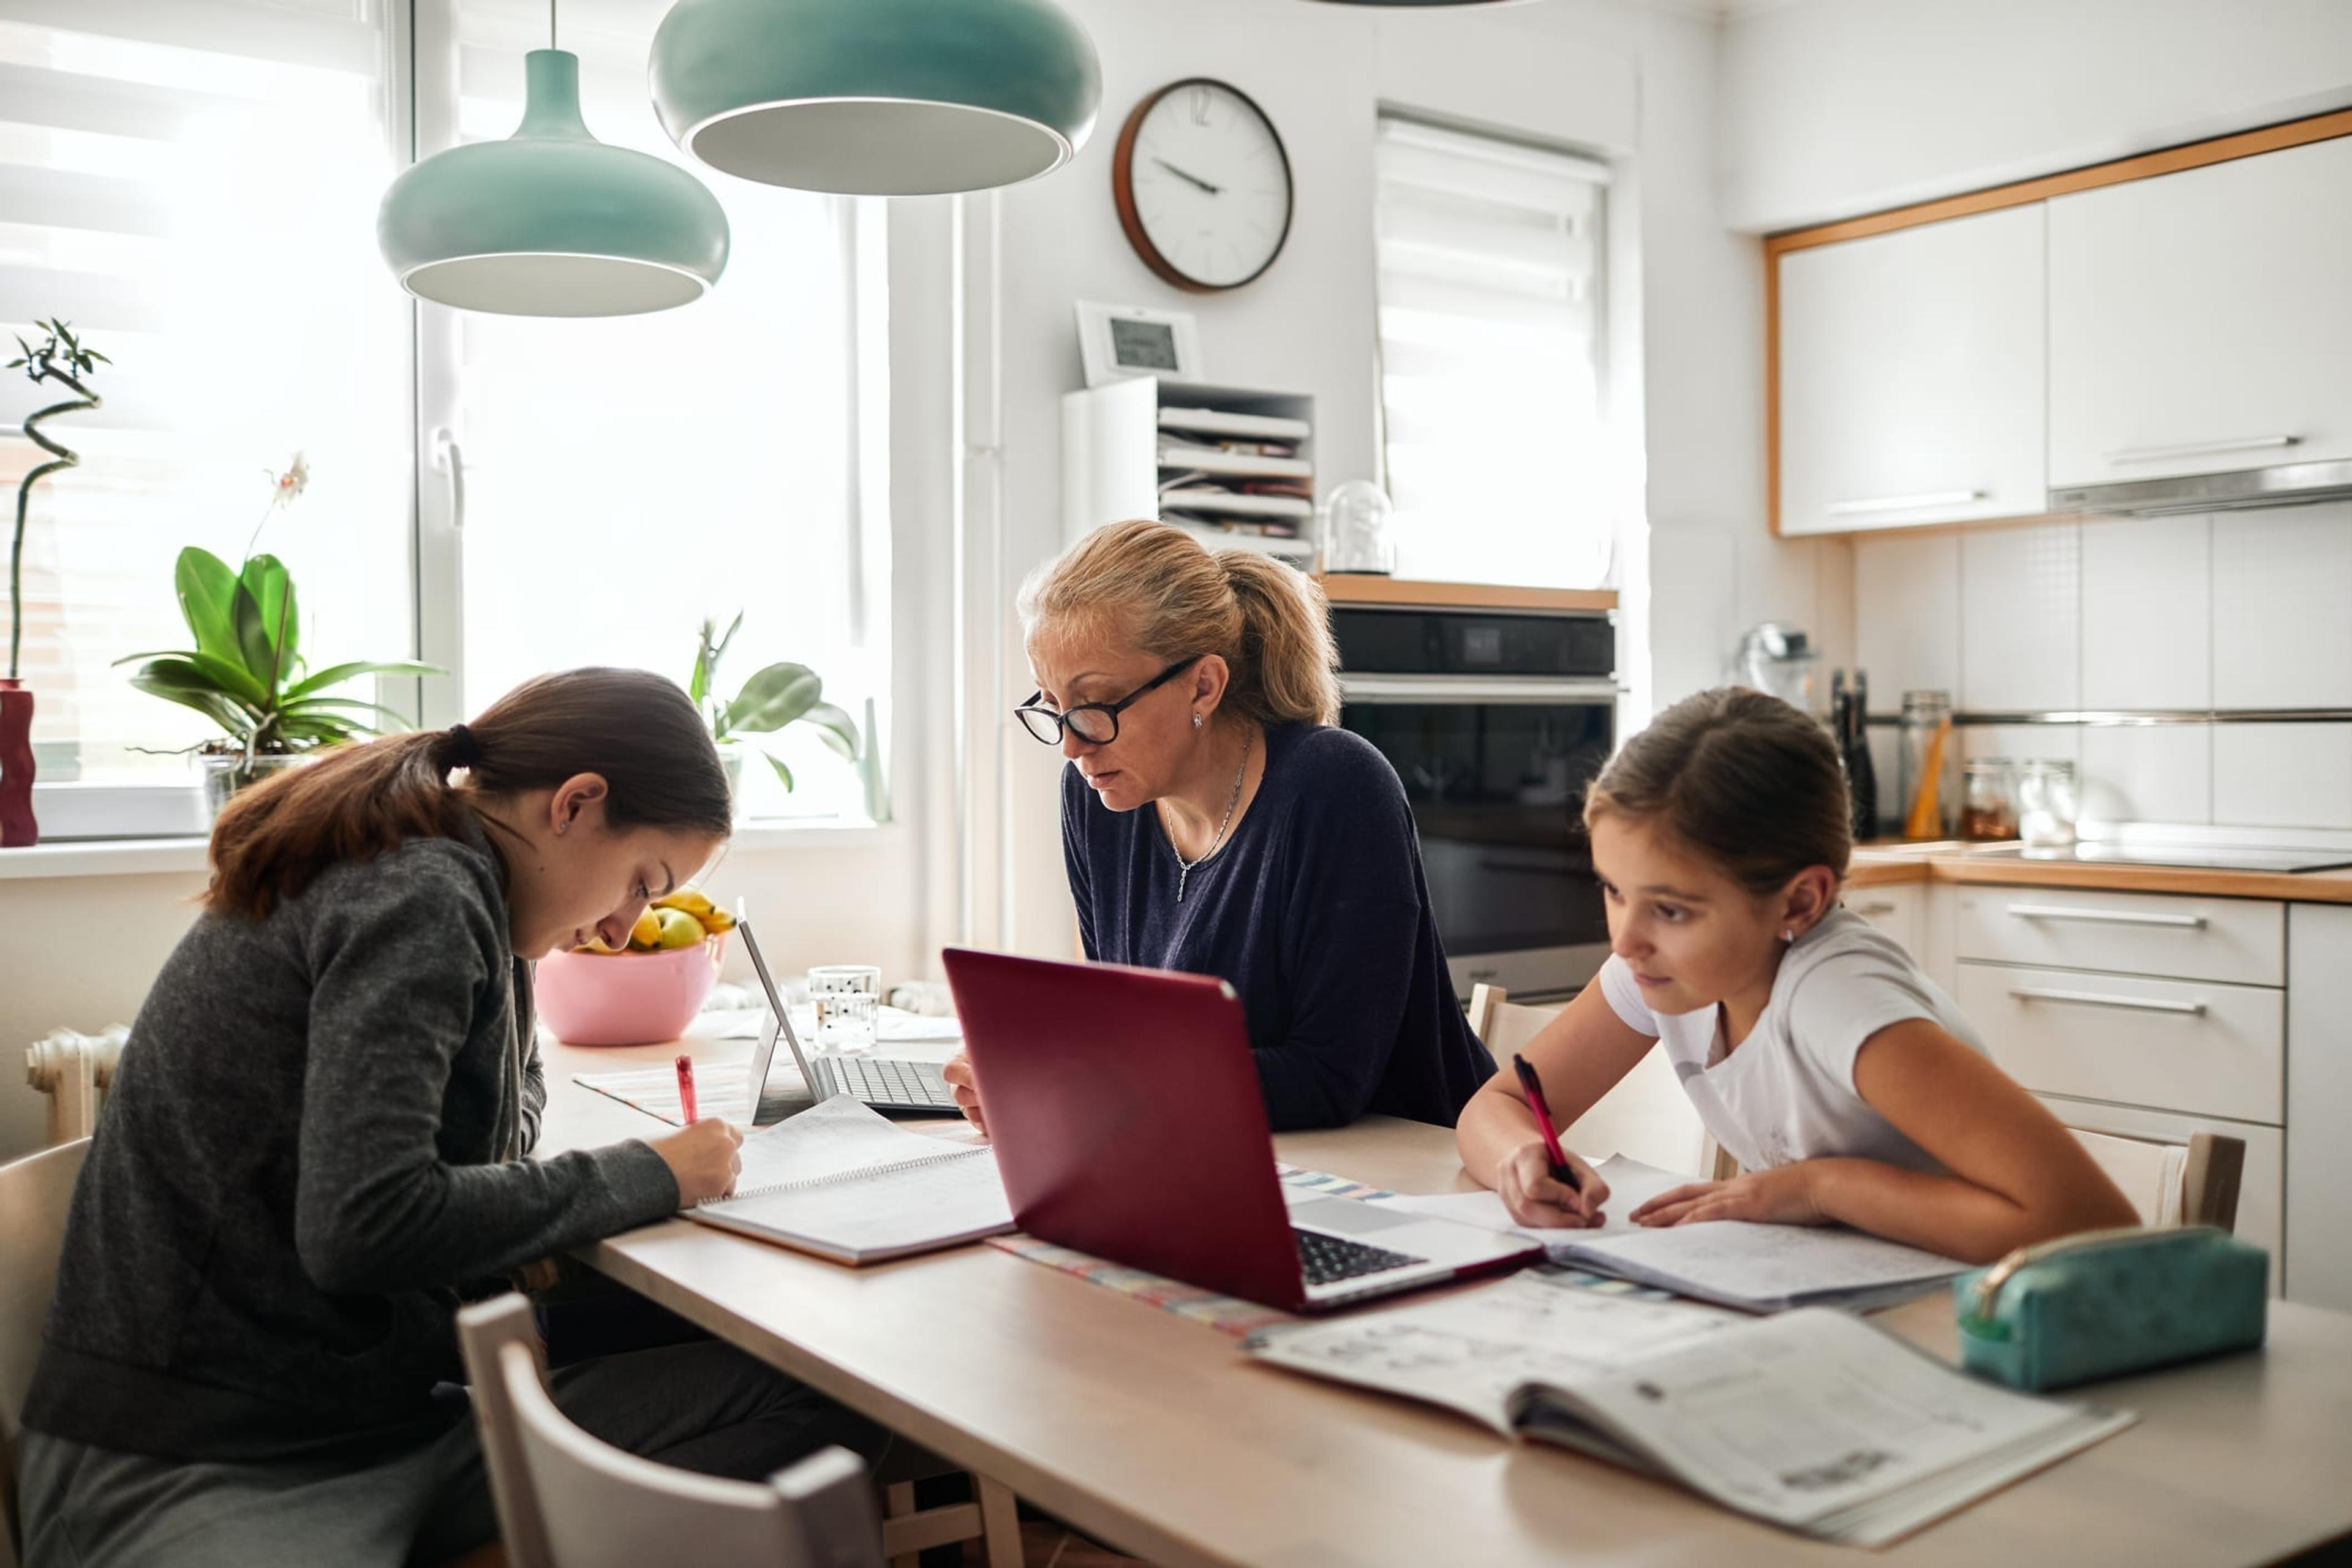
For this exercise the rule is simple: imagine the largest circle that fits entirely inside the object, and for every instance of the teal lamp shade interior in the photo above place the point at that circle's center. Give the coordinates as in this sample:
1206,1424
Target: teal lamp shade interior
884,98
551,222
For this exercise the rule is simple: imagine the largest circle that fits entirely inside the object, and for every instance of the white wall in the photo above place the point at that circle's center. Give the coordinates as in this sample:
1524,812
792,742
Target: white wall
1839,107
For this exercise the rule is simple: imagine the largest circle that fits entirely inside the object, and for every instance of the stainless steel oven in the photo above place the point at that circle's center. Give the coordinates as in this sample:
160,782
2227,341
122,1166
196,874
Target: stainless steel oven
1496,720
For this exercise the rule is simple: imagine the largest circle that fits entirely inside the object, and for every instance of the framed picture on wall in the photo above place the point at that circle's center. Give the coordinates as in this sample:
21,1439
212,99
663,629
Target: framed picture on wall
1117,342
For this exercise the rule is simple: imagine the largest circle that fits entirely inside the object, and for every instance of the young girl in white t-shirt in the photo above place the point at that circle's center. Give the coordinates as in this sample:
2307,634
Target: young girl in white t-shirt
1845,1083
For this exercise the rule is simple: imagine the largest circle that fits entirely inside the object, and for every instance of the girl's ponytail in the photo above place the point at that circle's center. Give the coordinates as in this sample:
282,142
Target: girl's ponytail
634,729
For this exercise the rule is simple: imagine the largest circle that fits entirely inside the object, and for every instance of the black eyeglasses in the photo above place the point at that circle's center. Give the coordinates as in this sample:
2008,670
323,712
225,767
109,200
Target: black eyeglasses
1096,723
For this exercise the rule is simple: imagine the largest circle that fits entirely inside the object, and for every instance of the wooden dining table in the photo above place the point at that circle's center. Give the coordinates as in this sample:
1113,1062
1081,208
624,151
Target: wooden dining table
1160,1435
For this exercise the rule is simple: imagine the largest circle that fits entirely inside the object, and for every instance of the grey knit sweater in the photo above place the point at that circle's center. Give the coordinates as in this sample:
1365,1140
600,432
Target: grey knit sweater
308,1152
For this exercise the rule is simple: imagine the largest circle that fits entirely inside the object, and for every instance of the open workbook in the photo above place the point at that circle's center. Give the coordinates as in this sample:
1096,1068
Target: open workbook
841,1181
1813,1420
1757,1268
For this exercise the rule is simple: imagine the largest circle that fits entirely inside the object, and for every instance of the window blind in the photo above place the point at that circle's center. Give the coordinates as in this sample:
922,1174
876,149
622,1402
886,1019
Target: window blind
190,184
1491,256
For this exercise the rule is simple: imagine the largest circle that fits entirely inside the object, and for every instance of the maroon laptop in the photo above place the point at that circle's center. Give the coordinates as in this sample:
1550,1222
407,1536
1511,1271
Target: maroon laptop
1125,1109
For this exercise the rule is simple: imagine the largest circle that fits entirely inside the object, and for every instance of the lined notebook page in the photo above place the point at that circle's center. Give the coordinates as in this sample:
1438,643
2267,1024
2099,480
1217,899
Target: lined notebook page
833,1138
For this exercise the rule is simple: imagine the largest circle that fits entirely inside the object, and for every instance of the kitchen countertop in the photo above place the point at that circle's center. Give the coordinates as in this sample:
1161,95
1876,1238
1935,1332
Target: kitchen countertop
1888,865
1364,588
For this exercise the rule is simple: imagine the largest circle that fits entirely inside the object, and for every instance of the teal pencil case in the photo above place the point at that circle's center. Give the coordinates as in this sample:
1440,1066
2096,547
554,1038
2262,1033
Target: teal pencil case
2111,1301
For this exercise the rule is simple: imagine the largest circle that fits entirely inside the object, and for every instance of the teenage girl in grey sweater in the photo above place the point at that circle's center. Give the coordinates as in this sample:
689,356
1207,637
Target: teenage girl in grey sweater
318,1145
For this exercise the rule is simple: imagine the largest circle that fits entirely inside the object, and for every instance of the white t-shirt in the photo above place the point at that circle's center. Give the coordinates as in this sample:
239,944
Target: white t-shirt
1786,1093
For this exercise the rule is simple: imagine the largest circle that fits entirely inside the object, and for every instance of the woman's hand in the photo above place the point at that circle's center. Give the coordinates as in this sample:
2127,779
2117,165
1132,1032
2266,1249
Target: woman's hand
1782,1195
703,1159
1534,1197
958,1072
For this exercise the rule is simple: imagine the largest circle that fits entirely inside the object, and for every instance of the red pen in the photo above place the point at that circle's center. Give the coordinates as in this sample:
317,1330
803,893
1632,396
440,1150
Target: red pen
686,1087
1561,1171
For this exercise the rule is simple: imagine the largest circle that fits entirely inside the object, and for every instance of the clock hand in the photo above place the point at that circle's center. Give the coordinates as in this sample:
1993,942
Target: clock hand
1194,179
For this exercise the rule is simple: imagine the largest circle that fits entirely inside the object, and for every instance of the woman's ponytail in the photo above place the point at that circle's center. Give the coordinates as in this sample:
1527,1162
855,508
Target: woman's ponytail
636,731
1287,647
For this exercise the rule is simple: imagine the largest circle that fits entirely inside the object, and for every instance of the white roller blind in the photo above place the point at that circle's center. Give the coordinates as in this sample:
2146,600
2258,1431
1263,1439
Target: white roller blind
1490,288
192,184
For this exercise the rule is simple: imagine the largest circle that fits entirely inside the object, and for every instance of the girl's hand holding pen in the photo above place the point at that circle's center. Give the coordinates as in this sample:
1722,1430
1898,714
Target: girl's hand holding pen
1536,1197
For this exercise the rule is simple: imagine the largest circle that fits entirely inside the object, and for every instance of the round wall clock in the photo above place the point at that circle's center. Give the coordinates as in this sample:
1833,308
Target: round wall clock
1202,186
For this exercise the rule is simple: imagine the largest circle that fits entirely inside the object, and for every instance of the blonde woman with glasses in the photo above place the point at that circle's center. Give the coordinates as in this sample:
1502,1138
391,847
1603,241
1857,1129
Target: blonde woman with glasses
1214,821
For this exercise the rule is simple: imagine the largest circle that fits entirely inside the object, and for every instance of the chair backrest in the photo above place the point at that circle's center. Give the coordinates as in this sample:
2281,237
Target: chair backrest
2194,1183
1646,1117
36,1193
567,1500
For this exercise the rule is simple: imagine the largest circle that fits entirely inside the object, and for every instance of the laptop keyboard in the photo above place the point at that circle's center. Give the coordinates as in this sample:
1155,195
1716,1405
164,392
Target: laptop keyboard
1327,1259
884,1081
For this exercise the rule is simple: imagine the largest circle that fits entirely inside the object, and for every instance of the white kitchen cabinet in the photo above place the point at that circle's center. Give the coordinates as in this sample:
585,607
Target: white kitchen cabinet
2198,322
1895,910
2319,1104
1912,375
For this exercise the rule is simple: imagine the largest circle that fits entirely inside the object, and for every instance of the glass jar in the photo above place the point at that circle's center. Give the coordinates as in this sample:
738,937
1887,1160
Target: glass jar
1928,767
2046,803
1358,528
1988,799
226,774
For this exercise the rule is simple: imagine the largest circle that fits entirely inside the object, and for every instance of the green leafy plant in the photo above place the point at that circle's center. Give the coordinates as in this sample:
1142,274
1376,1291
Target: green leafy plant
59,358
245,672
779,696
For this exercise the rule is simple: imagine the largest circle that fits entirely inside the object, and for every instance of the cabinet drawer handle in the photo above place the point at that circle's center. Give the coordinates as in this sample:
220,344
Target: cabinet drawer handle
2094,999
2105,917
2199,448
1902,503
1877,907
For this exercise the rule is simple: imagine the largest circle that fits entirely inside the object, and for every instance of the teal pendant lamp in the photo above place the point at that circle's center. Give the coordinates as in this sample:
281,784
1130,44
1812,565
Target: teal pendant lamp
550,221
881,98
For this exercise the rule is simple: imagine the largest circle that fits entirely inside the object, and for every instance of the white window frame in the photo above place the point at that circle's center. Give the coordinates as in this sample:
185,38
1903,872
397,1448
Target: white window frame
424,121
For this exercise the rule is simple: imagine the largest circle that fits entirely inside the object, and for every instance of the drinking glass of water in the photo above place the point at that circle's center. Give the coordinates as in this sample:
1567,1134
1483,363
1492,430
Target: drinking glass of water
848,998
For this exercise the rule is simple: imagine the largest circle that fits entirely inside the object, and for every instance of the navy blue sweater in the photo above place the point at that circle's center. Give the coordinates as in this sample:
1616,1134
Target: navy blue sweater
1315,911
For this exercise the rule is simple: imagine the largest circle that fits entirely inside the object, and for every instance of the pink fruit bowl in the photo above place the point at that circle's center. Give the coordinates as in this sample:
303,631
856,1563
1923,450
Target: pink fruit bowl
625,998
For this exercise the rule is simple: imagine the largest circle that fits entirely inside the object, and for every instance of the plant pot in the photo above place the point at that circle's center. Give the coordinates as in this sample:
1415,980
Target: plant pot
227,774
731,759
624,998
17,828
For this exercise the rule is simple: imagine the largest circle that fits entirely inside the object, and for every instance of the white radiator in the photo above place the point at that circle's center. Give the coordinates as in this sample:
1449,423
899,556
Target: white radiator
74,1070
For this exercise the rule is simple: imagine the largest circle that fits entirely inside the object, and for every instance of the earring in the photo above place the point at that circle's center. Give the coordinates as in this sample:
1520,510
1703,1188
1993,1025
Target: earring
1196,720
1788,936
561,825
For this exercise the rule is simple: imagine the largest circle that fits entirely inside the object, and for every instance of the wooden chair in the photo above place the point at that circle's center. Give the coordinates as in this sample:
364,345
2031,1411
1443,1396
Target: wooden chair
567,1500
2194,1183
34,1194
1646,1116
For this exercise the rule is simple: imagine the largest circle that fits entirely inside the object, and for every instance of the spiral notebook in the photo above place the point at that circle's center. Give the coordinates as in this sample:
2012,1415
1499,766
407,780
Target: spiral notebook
843,1182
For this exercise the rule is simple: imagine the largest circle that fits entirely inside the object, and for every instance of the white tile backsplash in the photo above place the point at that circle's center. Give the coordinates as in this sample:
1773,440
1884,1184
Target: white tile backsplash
2157,772
2021,618
2282,775
2235,610
2282,607
2148,613
1907,629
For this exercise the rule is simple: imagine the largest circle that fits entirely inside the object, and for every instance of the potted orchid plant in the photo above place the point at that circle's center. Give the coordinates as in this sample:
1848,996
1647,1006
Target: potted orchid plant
246,672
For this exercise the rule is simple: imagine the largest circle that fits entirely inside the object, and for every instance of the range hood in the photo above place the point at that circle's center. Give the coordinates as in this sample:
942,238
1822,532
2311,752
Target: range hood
2286,484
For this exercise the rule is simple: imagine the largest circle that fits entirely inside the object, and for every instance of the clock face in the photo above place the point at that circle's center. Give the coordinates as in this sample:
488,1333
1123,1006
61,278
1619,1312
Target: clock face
1203,185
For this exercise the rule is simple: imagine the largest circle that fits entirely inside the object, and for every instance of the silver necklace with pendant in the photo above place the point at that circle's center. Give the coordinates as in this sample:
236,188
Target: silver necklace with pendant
1184,866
